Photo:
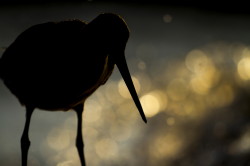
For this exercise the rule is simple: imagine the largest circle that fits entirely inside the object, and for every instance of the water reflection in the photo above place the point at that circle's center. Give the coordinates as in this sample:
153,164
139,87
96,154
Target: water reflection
123,90
106,149
177,89
244,68
58,139
189,114
150,105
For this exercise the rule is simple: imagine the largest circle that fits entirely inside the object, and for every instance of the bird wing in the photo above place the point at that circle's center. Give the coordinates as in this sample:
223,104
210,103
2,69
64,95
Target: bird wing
52,64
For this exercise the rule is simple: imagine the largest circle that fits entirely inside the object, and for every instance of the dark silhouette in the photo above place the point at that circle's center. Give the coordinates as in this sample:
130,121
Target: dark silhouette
57,65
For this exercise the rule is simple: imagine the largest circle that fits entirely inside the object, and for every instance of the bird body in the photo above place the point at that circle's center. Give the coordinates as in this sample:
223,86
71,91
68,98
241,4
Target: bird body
60,68
58,65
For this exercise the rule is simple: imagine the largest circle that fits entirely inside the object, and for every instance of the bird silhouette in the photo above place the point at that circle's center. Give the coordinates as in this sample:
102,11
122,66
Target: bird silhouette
58,65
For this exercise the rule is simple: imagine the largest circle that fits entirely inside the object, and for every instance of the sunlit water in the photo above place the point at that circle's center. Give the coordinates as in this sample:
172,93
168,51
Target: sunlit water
191,70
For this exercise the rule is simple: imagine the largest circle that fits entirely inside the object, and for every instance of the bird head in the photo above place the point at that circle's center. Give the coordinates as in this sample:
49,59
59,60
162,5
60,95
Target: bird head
112,31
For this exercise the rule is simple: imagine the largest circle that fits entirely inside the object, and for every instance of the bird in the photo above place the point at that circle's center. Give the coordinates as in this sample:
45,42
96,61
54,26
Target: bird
58,65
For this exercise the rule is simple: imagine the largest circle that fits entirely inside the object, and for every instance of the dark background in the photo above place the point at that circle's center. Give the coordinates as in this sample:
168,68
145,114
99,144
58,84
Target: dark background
190,62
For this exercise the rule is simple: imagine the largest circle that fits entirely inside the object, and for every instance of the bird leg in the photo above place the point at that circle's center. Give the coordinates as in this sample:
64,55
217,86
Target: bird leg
25,142
79,139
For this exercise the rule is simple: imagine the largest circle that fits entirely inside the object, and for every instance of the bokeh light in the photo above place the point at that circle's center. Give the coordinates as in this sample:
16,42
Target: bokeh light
58,139
197,86
244,68
177,89
106,148
123,90
167,18
242,145
150,104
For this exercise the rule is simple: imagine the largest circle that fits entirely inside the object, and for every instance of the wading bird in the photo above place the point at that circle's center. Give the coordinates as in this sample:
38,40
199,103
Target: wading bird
58,65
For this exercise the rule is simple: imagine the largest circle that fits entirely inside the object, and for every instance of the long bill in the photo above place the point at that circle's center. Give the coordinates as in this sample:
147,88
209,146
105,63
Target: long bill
121,63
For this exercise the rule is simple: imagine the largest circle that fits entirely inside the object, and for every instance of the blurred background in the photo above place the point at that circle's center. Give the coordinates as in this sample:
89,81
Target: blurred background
190,64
